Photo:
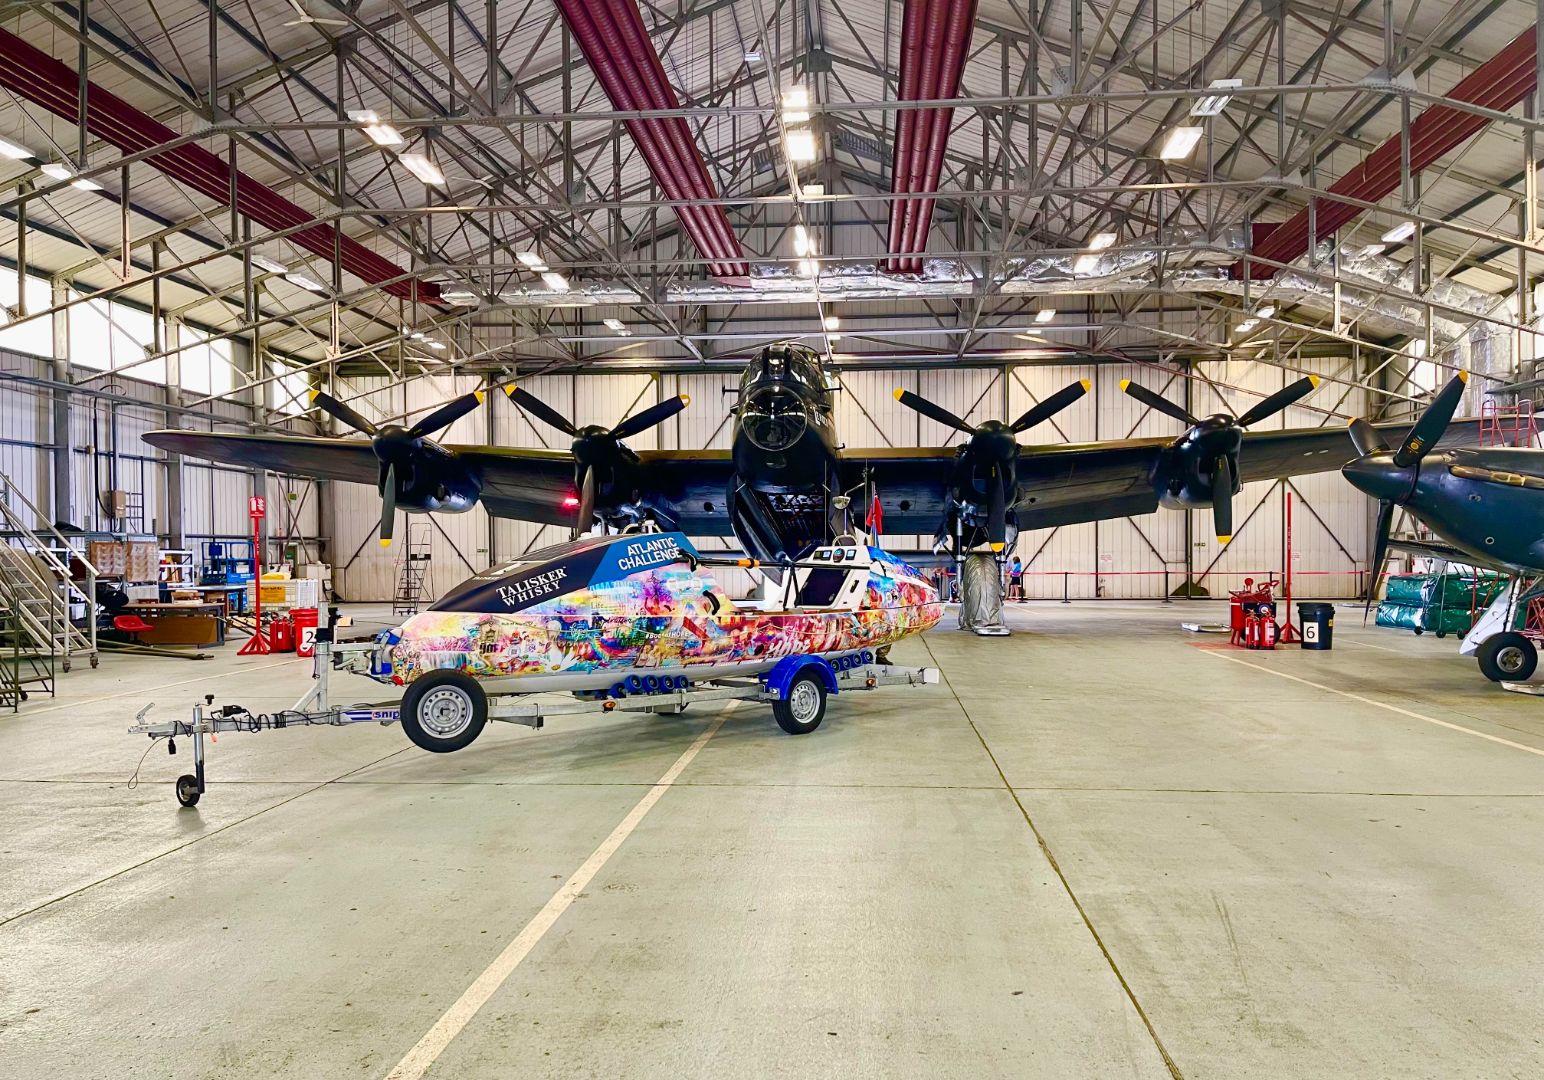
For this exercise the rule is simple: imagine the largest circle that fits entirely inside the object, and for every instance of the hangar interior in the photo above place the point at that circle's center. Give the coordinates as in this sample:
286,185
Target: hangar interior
1098,843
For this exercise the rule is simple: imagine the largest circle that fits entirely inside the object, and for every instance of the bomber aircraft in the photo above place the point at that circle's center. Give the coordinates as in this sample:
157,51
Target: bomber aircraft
780,487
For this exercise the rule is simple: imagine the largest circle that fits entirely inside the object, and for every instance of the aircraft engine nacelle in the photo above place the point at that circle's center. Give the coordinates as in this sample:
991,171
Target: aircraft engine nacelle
1188,472
432,478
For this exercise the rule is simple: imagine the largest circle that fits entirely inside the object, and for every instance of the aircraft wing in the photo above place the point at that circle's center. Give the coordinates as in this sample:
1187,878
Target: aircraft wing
349,460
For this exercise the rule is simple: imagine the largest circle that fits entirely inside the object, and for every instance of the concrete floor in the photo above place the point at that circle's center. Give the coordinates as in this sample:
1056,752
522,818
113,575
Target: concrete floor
1099,848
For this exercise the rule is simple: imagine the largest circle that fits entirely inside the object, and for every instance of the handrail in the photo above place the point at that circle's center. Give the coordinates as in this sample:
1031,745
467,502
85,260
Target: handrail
68,633
7,489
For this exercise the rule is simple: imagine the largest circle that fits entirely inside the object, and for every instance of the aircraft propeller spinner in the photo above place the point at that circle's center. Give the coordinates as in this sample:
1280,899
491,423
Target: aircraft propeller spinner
1217,440
993,448
596,449
396,446
1390,476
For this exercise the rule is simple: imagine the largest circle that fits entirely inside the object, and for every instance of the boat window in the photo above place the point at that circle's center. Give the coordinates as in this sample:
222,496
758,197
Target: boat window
820,589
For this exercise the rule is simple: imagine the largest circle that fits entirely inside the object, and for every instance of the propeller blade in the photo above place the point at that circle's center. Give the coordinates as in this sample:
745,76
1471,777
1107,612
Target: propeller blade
341,412
997,511
388,505
654,414
1433,422
446,414
1051,406
540,409
1222,499
1366,439
1155,401
586,511
1287,395
1380,553
933,412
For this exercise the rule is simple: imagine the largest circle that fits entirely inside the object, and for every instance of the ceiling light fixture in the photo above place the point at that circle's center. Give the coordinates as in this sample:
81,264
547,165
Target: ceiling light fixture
808,268
800,145
832,322
555,281
1265,312
461,297
1399,233
421,167
1101,241
812,191
796,105
530,258
309,284
273,266
1085,264
803,244
1180,143
1045,315
1213,104
14,152
437,346
614,324
753,56
378,133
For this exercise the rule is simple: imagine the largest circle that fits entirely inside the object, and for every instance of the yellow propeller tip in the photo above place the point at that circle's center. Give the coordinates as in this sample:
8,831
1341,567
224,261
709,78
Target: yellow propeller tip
686,399
1463,376
479,395
1315,380
1352,421
899,392
997,547
385,543
1224,539
312,395
1123,384
1088,384
509,391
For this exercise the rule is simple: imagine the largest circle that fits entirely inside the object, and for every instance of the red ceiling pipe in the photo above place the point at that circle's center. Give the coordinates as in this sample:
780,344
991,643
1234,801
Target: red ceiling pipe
600,40
906,119
1499,83
40,78
673,132
961,18
942,32
612,37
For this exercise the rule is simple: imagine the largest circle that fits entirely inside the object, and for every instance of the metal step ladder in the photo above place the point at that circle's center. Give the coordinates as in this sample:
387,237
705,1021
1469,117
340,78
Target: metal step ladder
37,586
413,570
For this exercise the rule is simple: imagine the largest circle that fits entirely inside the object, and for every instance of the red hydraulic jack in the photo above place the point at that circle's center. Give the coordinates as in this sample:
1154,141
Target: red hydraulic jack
257,509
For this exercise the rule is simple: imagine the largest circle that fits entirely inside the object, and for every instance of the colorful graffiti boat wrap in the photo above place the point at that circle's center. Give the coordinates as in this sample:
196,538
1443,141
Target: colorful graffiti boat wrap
610,606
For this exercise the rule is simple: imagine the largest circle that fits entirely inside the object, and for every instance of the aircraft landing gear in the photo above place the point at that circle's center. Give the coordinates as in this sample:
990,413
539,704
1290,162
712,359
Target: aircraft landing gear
1508,657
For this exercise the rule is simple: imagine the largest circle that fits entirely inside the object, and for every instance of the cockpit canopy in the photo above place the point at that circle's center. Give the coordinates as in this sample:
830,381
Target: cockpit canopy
778,389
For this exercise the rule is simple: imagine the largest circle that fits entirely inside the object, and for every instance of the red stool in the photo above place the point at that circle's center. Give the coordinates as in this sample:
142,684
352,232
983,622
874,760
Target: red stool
132,625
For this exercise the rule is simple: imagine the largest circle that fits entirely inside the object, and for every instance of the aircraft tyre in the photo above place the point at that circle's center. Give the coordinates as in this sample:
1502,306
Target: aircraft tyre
444,711
804,707
1508,657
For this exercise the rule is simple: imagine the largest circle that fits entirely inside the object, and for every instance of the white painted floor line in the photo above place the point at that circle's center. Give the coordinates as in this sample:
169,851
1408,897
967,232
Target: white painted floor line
1369,645
153,689
1385,705
448,1026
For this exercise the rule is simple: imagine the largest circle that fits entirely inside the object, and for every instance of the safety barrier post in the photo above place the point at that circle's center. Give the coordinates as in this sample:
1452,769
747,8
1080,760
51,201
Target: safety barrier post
1066,598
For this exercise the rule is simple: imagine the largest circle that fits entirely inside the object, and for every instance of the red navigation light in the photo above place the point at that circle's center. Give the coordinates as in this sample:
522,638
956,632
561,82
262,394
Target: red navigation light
570,502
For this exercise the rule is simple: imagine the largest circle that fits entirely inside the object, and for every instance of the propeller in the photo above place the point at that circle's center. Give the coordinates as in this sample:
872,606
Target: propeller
596,448
1217,439
394,444
305,18
993,449
1390,477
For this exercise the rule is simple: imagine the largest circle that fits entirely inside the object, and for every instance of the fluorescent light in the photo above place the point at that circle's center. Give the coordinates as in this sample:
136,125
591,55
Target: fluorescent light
1265,312
1246,326
832,322
380,134
800,145
1180,143
1370,249
1213,104
273,266
308,283
1399,233
463,297
418,335
58,170
430,343
530,258
555,281
1101,241
1085,264
1045,315
808,268
796,105
614,324
753,56
14,152
86,185
421,167
812,191
803,245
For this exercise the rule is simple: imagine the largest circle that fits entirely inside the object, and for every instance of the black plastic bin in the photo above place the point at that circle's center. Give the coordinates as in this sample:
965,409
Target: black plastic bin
1318,622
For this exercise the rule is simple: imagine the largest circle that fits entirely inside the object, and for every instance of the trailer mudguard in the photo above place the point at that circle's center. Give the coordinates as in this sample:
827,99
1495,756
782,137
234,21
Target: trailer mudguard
781,677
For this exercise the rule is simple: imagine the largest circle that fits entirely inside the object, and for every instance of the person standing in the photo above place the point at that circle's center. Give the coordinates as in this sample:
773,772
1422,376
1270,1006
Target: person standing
1016,579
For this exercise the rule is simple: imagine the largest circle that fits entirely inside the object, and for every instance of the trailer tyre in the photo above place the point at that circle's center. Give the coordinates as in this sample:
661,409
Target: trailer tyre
803,707
187,789
1508,657
444,711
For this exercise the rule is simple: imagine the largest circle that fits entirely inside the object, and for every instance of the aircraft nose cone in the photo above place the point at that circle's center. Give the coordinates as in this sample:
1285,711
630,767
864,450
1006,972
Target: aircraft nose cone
1378,476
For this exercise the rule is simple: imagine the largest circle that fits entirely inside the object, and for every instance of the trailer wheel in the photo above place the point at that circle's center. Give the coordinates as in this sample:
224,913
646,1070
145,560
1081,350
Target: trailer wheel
444,711
803,707
187,789
1508,657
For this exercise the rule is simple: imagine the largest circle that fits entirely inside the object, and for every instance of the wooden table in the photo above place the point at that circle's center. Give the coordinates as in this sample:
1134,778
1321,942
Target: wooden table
181,622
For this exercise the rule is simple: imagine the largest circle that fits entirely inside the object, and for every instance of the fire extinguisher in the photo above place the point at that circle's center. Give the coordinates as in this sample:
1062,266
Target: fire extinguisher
1251,630
1268,632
